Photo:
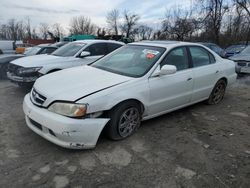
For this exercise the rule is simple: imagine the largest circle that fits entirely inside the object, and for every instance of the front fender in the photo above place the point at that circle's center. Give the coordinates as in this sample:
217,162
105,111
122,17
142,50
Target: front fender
107,99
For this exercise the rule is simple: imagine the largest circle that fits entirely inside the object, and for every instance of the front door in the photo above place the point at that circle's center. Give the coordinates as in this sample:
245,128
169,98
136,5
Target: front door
171,91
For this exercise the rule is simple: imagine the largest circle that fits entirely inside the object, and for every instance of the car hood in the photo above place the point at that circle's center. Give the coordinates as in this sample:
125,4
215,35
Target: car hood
240,57
40,60
8,57
75,83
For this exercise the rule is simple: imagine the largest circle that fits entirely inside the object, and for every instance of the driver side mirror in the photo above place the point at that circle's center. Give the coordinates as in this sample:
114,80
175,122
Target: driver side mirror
165,70
168,69
84,54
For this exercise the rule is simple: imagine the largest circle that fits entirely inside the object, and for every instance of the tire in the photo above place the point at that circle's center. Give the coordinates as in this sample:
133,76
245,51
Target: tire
3,71
125,119
218,93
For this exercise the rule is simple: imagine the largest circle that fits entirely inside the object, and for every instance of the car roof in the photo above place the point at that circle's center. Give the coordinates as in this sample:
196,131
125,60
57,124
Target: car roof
164,44
89,41
45,45
207,43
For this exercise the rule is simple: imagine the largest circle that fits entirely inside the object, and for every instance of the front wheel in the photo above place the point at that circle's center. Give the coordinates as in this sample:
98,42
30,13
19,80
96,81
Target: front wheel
218,92
125,119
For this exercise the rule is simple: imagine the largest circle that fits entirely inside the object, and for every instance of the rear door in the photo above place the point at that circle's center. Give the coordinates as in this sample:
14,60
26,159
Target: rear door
206,72
175,90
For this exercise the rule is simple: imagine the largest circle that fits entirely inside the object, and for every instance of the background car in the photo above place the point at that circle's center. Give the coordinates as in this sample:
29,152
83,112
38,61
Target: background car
233,50
26,70
137,82
40,49
214,47
242,61
7,46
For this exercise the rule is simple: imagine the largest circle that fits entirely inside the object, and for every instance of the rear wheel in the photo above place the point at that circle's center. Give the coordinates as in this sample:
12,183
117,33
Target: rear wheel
125,119
218,92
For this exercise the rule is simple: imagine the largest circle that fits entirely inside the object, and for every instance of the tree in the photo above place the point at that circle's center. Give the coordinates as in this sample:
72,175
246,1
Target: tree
82,25
214,12
43,29
129,23
144,32
112,20
179,24
28,28
245,5
57,30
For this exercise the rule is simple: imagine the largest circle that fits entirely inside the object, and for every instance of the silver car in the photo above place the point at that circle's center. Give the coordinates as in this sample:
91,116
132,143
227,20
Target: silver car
242,61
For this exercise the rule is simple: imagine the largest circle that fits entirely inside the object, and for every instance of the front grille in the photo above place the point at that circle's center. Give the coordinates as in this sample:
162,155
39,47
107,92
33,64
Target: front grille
242,64
37,98
12,68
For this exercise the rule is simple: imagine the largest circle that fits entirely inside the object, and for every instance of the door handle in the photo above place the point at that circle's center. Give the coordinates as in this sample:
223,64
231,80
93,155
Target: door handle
217,72
189,79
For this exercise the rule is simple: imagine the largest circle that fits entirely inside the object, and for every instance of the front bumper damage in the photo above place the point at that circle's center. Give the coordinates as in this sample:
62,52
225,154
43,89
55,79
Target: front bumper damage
63,131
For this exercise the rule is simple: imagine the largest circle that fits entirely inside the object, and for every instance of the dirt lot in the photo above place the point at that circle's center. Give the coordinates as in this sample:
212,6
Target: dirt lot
199,146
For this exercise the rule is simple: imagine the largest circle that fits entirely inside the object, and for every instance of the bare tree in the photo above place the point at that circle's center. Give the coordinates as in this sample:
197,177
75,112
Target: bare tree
112,20
82,25
245,5
214,12
28,28
13,27
144,32
179,24
43,29
57,30
34,33
129,23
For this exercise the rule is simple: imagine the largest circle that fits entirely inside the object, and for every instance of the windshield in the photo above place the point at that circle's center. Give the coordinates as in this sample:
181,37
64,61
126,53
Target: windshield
235,48
131,60
32,51
68,50
246,51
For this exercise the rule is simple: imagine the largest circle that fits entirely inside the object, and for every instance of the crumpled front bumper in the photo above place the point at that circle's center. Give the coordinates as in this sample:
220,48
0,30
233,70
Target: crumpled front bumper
63,131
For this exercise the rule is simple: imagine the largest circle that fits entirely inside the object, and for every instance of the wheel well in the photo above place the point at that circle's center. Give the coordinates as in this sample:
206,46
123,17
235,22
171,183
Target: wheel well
223,78
142,108
54,70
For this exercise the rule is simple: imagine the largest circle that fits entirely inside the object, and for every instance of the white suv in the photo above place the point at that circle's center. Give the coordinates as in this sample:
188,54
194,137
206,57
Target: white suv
26,70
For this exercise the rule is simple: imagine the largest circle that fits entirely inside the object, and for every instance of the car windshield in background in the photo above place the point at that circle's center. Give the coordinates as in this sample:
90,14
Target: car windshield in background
235,48
131,60
246,51
69,49
33,51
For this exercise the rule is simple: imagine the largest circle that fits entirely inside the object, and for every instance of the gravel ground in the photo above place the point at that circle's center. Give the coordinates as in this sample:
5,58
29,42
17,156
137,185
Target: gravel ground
199,146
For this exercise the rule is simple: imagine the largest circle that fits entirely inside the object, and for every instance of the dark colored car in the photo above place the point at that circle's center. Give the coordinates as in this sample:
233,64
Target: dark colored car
233,50
40,49
214,47
242,61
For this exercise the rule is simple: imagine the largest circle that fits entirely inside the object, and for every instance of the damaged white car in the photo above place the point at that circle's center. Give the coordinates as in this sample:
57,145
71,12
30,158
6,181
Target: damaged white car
136,82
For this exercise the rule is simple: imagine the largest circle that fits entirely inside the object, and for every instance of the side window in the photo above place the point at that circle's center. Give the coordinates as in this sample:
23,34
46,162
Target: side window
50,50
43,51
201,56
112,47
97,49
177,57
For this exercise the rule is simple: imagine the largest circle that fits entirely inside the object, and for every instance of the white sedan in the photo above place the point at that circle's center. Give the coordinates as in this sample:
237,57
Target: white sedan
136,82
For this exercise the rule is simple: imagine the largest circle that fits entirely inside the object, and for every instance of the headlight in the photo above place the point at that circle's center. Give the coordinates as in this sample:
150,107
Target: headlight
69,109
28,70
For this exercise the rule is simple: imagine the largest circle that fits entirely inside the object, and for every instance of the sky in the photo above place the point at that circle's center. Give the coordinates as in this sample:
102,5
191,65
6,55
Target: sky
61,11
